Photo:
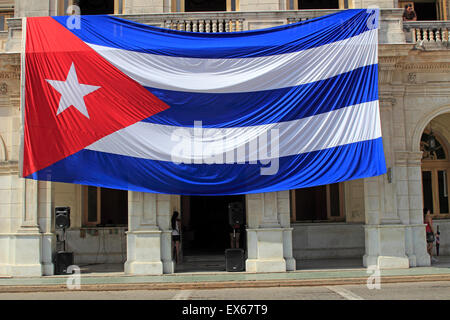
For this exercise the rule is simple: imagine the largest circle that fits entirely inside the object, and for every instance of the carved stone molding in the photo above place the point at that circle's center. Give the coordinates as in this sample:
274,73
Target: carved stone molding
388,61
9,167
412,77
424,67
408,158
387,101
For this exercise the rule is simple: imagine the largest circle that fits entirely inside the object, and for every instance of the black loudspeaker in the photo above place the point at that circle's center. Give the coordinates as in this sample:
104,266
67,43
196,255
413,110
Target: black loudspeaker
234,260
235,213
63,261
62,217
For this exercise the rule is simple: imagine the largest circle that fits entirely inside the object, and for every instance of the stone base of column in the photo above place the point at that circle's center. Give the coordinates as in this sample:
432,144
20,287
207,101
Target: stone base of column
287,250
48,247
265,250
385,247
166,252
423,259
262,265
26,261
143,268
386,262
291,264
168,266
144,252
412,260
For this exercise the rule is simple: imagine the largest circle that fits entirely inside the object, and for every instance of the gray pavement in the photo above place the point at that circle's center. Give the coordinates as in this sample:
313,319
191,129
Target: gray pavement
388,291
314,273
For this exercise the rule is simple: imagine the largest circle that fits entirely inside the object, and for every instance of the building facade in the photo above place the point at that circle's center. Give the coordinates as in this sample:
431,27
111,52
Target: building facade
378,220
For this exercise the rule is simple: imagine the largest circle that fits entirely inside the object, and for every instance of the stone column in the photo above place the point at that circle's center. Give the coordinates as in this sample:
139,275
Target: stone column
269,237
46,223
144,235
26,254
163,215
400,175
284,215
416,227
385,242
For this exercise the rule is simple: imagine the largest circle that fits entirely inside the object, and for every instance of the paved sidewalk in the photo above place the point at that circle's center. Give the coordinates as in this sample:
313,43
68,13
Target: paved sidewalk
209,280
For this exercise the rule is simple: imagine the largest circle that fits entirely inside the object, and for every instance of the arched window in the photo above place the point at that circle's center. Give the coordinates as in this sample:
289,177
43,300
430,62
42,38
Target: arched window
435,173
431,147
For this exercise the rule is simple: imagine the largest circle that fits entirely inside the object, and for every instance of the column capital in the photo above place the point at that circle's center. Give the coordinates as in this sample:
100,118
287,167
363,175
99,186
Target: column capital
408,157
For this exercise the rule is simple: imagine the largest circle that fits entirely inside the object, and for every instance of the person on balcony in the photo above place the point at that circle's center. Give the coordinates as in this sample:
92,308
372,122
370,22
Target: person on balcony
409,14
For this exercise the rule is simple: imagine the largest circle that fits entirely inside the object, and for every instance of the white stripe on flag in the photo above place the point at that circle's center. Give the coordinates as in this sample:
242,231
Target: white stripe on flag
160,142
245,74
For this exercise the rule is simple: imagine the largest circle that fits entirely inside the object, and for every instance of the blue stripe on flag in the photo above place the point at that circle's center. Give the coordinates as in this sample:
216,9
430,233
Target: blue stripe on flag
224,110
114,32
347,162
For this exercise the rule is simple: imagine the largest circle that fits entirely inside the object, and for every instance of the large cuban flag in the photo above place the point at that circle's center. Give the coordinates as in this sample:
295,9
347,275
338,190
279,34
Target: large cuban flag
113,103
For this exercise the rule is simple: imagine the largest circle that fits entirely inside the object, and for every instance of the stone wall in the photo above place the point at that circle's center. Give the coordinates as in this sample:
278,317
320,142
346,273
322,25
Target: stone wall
97,245
327,240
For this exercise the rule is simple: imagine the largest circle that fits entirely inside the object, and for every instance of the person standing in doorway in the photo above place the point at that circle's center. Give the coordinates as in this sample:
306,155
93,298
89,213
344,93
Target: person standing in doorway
176,235
429,232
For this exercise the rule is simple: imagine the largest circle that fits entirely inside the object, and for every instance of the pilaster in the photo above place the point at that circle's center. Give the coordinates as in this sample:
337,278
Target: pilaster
416,227
144,235
384,240
269,236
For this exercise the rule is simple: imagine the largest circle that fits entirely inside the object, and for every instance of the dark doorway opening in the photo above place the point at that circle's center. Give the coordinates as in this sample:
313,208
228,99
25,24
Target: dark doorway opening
318,4
425,11
205,224
114,207
90,7
205,5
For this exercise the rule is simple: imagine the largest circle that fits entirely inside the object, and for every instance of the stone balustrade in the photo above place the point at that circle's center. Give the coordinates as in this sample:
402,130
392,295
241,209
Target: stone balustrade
205,25
390,22
436,32
224,21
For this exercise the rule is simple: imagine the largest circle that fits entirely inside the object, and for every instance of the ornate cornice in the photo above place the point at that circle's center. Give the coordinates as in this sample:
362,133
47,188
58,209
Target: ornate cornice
408,158
9,167
424,67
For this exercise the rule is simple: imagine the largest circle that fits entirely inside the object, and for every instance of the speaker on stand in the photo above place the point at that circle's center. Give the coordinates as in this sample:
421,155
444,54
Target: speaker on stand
63,259
235,213
235,257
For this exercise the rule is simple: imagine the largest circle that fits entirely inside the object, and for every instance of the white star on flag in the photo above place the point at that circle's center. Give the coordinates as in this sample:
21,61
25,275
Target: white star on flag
72,92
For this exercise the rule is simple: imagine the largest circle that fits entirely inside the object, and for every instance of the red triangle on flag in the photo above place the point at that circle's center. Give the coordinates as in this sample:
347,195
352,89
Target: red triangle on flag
56,125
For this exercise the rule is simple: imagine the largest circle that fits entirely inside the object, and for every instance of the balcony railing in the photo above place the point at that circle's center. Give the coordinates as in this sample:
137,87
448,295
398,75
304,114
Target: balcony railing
225,21
429,32
390,22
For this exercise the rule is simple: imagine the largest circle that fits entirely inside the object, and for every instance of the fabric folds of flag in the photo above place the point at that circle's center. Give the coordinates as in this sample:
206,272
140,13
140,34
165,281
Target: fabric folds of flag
118,104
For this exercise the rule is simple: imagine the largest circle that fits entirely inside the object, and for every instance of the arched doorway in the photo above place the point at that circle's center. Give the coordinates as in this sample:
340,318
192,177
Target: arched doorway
436,166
